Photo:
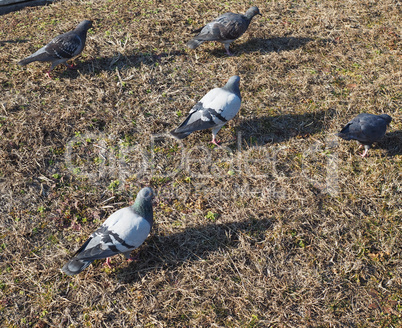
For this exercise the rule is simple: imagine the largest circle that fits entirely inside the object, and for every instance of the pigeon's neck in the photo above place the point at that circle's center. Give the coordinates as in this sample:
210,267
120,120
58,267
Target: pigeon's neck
143,208
249,15
387,118
234,88
81,31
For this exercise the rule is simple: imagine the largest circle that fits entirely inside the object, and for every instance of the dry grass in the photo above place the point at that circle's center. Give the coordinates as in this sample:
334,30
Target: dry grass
284,227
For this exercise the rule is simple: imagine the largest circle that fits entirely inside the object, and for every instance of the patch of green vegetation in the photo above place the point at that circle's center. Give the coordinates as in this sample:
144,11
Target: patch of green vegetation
212,216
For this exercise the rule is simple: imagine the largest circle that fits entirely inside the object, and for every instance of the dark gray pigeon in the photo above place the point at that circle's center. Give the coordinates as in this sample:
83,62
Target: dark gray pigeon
213,111
122,232
62,47
366,129
224,29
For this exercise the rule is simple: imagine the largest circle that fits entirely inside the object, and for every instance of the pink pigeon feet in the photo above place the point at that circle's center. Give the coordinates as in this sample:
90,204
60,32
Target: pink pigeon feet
48,74
215,142
364,153
133,258
107,263
70,66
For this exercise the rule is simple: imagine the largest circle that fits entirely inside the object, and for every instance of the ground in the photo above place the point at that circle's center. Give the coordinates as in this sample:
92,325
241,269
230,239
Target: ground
285,225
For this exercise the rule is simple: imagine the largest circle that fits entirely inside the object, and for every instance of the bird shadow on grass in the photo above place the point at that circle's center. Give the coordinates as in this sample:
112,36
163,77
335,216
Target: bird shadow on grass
193,244
3,42
120,62
279,128
392,143
275,44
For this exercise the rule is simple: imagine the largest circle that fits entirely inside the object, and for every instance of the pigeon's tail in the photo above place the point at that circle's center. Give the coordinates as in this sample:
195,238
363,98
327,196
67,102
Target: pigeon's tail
179,135
37,56
75,266
198,30
26,61
194,43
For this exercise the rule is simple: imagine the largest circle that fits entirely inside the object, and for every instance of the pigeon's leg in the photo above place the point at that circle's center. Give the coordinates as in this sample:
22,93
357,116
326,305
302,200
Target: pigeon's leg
133,258
130,258
227,45
215,142
366,148
70,66
54,64
107,263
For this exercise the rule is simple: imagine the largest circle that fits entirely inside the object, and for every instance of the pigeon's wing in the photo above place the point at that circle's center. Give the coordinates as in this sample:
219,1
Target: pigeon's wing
122,232
226,27
365,128
353,130
214,109
373,128
232,26
60,49
65,46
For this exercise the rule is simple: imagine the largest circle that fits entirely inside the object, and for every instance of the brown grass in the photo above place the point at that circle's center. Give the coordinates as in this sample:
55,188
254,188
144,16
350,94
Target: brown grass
283,227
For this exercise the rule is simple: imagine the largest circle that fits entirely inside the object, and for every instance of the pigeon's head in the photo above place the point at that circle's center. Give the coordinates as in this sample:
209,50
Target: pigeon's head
251,12
234,80
387,118
146,194
143,204
84,25
233,85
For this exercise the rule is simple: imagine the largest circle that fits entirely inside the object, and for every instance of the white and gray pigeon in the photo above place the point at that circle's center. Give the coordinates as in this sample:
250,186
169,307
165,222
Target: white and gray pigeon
366,129
213,111
62,47
224,29
122,232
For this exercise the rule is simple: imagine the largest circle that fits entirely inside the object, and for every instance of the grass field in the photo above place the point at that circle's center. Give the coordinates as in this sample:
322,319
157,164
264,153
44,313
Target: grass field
283,226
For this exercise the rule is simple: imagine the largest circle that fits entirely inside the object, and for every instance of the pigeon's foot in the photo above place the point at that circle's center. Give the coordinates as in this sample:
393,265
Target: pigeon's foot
215,142
133,258
364,153
107,263
71,66
48,74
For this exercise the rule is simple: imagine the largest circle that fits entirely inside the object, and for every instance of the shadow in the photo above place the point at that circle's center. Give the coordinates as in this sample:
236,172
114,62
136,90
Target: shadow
271,45
262,45
10,7
120,62
193,244
279,128
3,42
392,143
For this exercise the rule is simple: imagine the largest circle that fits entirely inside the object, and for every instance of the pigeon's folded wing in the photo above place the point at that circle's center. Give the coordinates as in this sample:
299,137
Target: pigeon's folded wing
64,46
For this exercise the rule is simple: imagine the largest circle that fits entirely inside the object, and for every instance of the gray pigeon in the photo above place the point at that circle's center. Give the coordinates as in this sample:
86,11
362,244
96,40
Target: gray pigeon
122,232
213,111
224,29
366,129
62,47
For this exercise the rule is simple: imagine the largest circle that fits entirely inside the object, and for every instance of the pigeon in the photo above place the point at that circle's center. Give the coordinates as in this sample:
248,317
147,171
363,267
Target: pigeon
213,111
61,48
366,129
224,29
122,232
